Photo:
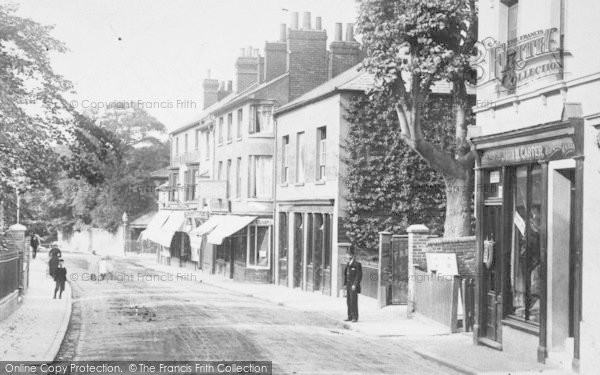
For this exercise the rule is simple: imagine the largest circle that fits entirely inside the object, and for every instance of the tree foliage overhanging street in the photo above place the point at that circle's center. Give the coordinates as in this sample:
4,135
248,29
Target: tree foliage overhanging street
73,170
411,46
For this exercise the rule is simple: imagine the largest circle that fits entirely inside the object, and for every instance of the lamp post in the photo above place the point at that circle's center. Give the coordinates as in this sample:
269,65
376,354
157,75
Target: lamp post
124,219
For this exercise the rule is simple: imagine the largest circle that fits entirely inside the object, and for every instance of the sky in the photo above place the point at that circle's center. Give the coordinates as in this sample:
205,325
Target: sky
157,52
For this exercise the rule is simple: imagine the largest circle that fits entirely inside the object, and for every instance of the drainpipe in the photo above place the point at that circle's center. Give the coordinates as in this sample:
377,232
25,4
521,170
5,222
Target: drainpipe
275,258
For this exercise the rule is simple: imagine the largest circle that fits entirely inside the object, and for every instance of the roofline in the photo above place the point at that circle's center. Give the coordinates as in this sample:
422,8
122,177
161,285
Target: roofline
244,95
306,102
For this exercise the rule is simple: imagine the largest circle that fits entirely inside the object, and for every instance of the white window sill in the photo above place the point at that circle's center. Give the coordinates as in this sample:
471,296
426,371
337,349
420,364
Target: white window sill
228,141
259,200
283,184
299,184
320,182
261,135
239,139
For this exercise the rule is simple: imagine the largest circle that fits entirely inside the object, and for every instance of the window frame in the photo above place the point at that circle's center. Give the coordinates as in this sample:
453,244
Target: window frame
238,179
321,159
220,132
268,235
300,158
240,119
285,159
229,127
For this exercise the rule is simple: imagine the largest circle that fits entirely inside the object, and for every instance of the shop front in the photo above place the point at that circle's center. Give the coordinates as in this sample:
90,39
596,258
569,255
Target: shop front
237,247
305,239
529,218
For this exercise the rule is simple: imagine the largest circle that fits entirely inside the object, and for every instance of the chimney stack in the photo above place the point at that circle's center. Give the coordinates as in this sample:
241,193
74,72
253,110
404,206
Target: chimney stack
349,32
306,21
318,23
224,90
282,33
338,32
275,61
210,91
343,54
246,69
307,58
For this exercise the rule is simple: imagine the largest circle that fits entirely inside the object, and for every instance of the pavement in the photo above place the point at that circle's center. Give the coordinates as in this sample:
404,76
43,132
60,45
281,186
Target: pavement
426,337
36,329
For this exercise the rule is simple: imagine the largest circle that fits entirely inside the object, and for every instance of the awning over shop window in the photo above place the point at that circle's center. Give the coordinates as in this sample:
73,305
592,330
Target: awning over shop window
228,226
197,233
163,225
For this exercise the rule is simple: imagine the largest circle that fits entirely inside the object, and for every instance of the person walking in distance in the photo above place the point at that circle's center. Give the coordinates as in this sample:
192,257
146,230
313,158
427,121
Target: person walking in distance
60,277
34,242
352,278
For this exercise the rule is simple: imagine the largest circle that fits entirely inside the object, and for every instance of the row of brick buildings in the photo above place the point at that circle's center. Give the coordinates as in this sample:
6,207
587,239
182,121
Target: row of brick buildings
253,190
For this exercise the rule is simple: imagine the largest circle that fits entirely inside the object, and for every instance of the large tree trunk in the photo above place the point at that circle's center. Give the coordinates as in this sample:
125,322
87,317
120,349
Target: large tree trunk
458,206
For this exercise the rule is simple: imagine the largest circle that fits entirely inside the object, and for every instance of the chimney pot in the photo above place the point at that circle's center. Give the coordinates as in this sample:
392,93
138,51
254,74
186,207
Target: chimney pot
282,32
242,52
349,32
207,73
294,20
249,51
318,23
230,86
255,52
306,21
338,32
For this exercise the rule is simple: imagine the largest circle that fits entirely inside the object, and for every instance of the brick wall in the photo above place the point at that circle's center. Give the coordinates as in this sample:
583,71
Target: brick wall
246,72
275,59
463,247
307,60
211,92
343,56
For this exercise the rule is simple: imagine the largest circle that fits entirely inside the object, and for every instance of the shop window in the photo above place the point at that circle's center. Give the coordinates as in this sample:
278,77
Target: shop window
309,239
196,139
493,184
259,244
327,241
176,146
283,235
240,246
524,270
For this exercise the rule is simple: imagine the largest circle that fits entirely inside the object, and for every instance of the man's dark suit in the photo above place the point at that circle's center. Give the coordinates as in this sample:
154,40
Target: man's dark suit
352,277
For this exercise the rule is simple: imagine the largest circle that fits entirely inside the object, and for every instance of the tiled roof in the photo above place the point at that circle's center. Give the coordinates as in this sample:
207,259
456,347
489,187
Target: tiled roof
350,80
233,97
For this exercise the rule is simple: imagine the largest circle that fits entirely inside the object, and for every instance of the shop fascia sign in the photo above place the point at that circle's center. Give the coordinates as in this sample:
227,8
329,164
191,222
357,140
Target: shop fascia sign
520,60
548,150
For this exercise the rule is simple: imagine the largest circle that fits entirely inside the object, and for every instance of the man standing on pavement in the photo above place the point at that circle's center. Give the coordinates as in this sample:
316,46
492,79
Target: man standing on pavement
60,277
352,278
34,243
54,254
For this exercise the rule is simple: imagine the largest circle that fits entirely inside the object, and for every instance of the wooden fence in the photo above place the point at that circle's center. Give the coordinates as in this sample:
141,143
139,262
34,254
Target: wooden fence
141,247
437,297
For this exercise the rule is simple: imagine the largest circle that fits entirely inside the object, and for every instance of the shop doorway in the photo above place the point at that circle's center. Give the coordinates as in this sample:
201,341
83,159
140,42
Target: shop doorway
561,266
491,280
298,249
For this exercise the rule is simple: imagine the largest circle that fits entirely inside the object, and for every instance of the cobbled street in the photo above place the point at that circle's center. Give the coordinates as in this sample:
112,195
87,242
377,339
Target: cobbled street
140,315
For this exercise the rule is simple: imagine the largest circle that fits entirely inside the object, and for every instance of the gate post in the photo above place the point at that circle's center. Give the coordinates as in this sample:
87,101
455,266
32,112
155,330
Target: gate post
385,240
417,241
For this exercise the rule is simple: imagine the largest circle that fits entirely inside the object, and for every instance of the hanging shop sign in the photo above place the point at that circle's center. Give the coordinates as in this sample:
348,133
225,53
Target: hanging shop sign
557,149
